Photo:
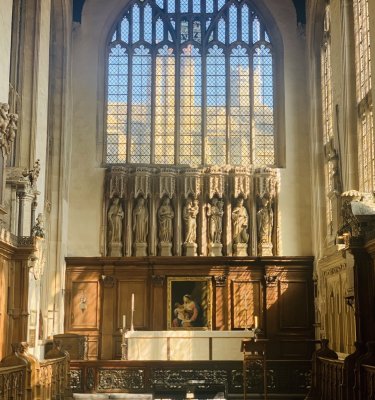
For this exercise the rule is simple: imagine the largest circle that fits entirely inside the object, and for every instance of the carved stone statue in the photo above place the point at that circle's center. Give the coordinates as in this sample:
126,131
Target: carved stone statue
115,217
190,213
165,218
265,221
215,220
4,117
240,219
140,221
38,228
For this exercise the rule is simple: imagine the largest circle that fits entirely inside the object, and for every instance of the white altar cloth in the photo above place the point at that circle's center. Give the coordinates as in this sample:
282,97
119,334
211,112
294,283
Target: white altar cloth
186,345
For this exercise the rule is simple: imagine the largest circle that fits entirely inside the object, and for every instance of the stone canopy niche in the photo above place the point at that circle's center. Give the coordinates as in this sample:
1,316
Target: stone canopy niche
213,211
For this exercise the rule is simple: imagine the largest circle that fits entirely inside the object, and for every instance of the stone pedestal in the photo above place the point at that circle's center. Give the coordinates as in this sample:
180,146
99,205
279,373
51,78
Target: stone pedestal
140,249
240,249
215,249
190,249
115,249
165,249
265,249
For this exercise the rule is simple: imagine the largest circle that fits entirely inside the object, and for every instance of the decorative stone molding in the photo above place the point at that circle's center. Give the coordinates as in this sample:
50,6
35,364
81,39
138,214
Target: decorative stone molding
220,280
192,183
142,185
167,183
241,182
8,128
32,174
118,178
216,181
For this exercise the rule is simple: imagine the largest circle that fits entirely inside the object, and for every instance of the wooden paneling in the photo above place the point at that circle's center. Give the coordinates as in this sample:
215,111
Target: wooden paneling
293,304
125,289
278,291
246,303
85,305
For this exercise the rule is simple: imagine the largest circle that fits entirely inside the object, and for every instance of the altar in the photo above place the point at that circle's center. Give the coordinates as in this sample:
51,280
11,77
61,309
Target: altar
186,345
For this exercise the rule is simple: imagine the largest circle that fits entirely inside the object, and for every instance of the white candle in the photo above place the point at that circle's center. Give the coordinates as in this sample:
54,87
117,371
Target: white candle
124,321
133,302
256,322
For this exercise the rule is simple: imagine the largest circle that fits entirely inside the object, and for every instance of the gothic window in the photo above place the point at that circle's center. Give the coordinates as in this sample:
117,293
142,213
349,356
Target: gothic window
190,82
327,113
366,141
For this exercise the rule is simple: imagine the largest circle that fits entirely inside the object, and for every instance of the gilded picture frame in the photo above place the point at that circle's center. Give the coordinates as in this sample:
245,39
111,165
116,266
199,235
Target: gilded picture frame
189,303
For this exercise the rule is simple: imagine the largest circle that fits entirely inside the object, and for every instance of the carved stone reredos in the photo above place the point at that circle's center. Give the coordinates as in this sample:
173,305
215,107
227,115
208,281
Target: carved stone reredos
192,182
117,181
167,183
266,180
142,183
241,186
216,180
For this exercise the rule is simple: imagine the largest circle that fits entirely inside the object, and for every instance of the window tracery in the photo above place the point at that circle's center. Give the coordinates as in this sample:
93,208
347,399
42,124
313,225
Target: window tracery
190,82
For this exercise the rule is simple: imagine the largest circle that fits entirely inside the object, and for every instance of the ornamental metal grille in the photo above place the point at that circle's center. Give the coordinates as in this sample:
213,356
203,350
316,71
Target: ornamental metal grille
190,82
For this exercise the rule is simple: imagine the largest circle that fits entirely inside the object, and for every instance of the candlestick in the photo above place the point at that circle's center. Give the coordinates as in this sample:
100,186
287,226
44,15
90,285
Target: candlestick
124,322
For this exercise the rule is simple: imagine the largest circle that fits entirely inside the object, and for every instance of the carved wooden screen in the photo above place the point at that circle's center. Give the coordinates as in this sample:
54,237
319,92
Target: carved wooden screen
190,82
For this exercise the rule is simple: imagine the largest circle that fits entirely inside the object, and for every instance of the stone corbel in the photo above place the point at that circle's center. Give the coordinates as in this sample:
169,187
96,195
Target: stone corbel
241,182
167,182
192,183
142,182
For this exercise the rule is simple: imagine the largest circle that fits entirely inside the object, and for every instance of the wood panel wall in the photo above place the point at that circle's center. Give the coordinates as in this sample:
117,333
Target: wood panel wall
279,290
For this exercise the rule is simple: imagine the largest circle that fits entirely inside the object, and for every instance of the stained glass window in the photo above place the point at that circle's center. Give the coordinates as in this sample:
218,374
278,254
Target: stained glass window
190,82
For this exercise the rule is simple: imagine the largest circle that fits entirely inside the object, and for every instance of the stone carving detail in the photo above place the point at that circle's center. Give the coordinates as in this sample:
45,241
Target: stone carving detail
266,189
118,178
192,183
216,184
37,260
76,380
167,182
38,228
165,218
142,185
240,223
241,182
140,221
115,227
121,379
265,225
190,213
8,128
175,220
32,174
215,212
332,157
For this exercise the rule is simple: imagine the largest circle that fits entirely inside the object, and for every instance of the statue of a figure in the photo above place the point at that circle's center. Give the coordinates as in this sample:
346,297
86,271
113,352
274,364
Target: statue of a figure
265,220
215,214
115,217
140,221
38,228
240,219
165,217
4,117
190,213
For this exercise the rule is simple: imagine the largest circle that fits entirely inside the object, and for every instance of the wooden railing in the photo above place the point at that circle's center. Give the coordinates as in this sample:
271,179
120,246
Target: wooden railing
12,382
23,377
349,379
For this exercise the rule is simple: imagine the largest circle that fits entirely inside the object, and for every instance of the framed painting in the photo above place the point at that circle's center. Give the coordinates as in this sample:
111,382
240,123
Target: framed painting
189,303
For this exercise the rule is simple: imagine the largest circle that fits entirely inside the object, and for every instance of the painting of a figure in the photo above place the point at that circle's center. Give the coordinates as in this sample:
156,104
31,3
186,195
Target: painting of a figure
189,303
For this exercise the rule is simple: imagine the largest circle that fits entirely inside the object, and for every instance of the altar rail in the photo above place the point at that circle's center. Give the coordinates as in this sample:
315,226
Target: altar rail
289,377
23,377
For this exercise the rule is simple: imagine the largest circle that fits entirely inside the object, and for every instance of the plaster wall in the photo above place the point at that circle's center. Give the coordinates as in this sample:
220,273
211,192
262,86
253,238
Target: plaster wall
86,188
5,41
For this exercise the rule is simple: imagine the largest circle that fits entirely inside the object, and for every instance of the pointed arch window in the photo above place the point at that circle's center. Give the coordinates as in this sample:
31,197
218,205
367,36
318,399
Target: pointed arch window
190,82
366,141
